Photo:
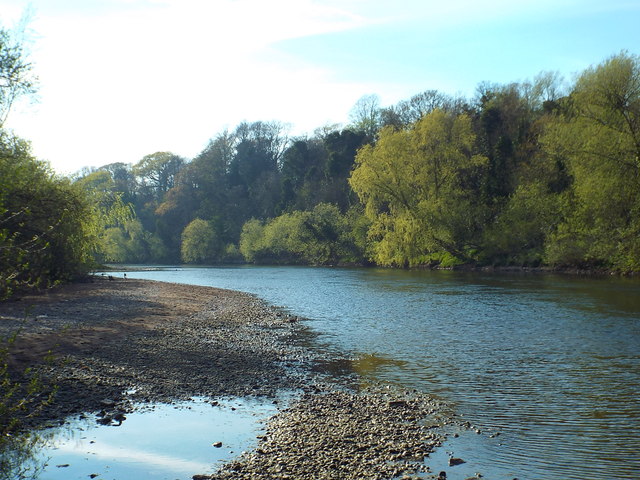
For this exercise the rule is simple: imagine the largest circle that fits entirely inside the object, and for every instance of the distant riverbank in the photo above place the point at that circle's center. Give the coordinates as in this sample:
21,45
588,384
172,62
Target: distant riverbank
499,269
122,341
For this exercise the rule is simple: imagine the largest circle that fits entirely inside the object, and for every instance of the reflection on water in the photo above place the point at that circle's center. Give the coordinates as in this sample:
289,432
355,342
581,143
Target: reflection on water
363,366
164,442
19,456
550,362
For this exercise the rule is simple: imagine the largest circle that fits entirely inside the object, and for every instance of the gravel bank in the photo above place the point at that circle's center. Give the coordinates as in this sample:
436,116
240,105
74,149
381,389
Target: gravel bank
132,340
370,434
123,341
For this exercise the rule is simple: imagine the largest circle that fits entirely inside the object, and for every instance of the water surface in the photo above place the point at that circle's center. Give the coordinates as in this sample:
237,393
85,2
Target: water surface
159,442
549,363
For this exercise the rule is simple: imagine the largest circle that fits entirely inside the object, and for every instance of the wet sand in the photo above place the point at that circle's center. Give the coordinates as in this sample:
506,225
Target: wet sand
116,342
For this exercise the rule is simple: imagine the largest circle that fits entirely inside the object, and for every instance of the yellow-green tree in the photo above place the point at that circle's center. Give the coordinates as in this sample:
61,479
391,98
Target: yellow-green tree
47,232
200,244
420,188
599,140
322,236
251,240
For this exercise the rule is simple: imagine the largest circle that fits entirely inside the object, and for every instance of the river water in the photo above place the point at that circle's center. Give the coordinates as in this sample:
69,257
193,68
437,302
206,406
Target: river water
551,364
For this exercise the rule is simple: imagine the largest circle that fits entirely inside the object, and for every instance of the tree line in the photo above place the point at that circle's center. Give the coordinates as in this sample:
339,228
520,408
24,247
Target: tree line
529,174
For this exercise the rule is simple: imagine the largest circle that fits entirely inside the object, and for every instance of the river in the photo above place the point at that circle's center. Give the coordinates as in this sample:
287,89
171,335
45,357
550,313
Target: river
546,366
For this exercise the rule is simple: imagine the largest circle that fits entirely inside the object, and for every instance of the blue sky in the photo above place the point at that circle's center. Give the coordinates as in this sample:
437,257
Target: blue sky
120,79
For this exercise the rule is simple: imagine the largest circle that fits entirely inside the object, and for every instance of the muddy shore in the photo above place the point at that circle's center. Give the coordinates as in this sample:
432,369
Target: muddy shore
119,342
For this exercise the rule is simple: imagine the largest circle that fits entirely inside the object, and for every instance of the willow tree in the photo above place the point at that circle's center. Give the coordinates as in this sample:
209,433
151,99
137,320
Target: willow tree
599,140
420,188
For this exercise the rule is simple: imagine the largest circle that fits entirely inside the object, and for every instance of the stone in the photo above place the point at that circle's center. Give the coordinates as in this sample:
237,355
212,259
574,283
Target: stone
106,420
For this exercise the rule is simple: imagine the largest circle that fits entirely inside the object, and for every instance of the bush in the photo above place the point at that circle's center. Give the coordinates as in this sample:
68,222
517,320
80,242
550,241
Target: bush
46,224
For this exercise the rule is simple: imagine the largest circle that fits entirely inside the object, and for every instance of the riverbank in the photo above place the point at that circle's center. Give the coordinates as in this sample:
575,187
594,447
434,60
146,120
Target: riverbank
157,341
568,271
119,342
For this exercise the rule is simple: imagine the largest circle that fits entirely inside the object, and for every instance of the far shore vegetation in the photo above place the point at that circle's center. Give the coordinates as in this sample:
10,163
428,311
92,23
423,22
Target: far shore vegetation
541,173
533,174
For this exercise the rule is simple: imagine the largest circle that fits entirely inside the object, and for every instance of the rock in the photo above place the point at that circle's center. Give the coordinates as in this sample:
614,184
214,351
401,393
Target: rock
228,345
106,420
455,461
119,417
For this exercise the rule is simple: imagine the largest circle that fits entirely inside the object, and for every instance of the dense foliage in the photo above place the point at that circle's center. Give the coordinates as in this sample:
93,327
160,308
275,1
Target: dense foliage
421,189
45,222
48,225
532,173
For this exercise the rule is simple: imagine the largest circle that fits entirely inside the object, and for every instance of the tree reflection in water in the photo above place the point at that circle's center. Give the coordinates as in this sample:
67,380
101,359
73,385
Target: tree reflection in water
19,456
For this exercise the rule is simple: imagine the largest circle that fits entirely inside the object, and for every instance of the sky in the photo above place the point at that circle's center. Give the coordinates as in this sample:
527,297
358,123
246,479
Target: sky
120,79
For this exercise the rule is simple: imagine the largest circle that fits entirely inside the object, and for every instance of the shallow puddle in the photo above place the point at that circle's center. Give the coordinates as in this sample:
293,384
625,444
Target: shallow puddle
163,442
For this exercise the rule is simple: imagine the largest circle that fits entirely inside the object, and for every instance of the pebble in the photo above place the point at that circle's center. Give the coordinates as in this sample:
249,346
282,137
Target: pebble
206,342
332,434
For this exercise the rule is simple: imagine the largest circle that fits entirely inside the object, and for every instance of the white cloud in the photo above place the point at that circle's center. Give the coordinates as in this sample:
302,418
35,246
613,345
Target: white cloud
120,83
124,78
128,454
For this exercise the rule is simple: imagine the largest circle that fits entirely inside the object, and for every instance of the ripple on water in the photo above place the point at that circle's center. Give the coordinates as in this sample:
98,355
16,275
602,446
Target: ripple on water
551,361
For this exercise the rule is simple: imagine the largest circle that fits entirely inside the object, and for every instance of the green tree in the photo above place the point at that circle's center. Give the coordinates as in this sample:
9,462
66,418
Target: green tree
322,236
341,148
598,138
157,172
302,174
47,225
130,243
251,240
420,189
200,244
120,237
518,235
124,181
